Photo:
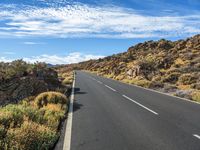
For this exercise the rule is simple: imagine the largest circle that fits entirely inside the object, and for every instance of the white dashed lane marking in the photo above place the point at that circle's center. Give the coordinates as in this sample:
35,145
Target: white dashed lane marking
110,88
140,105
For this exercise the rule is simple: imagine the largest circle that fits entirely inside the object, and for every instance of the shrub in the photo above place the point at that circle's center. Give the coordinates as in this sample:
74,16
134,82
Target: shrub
53,115
171,78
67,81
34,114
26,126
143,83
50,97
156,84
119,77
140,82
31,136
11,116
196,96
186,79
196,86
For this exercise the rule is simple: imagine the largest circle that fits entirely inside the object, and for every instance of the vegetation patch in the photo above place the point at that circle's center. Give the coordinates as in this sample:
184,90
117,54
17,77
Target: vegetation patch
32,124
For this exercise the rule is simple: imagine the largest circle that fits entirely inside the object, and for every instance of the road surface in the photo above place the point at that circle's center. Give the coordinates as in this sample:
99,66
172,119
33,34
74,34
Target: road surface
110,115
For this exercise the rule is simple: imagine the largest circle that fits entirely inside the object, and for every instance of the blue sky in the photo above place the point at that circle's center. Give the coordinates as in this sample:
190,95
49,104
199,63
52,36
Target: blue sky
69,31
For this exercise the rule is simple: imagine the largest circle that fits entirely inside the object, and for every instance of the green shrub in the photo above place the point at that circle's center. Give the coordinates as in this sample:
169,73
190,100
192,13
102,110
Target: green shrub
11,116
50,97
53,115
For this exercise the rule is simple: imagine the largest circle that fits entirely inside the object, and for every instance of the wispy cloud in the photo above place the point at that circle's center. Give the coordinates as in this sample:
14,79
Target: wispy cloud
8,53
34,43
55,59
79,20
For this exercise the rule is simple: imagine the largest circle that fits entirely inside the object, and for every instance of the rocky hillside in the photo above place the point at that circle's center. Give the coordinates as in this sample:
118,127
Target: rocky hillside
172,67
19,80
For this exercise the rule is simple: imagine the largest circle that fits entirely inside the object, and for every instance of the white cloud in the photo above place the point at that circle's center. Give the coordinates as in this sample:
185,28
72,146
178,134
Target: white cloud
33,43
55,59
79,20
4,59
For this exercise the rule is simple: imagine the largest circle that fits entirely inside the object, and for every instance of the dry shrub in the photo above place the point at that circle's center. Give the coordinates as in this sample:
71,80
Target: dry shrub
67,81
50,97
171,78
31,136
25,126
140,82
11,116
196,96
186,79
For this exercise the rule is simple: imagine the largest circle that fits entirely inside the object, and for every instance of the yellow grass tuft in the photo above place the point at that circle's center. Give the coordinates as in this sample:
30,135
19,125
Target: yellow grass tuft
50,97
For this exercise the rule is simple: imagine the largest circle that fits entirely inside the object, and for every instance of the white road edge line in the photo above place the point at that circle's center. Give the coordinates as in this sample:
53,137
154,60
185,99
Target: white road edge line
100,82
68,128
197,136
110,88
140,105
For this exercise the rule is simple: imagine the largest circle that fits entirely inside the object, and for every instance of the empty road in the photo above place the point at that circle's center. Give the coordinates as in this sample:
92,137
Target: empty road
110,115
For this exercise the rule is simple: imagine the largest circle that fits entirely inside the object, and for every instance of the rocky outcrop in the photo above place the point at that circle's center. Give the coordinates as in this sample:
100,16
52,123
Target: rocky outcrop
16,88
19,88
134,71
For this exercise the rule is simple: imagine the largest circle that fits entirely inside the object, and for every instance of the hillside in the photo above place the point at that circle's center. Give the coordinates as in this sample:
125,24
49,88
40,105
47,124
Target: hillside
172,67
20,80
34,103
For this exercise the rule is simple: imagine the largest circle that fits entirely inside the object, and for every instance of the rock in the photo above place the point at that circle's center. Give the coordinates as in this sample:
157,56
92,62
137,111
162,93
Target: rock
134,71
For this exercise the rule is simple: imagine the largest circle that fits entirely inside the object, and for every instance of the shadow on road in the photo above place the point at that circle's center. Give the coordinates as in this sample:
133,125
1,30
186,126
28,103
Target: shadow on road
76,106
77,91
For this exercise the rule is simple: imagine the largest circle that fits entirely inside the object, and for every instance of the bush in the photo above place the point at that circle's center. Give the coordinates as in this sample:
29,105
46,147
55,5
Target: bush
196,86
143,83
25,126
67,81
53,115
171,78
187,79
196,96
31,136
50,97
156,85
140,82
11,116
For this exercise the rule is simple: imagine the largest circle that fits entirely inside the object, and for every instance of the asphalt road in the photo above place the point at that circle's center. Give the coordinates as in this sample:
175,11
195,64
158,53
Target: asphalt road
110,115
